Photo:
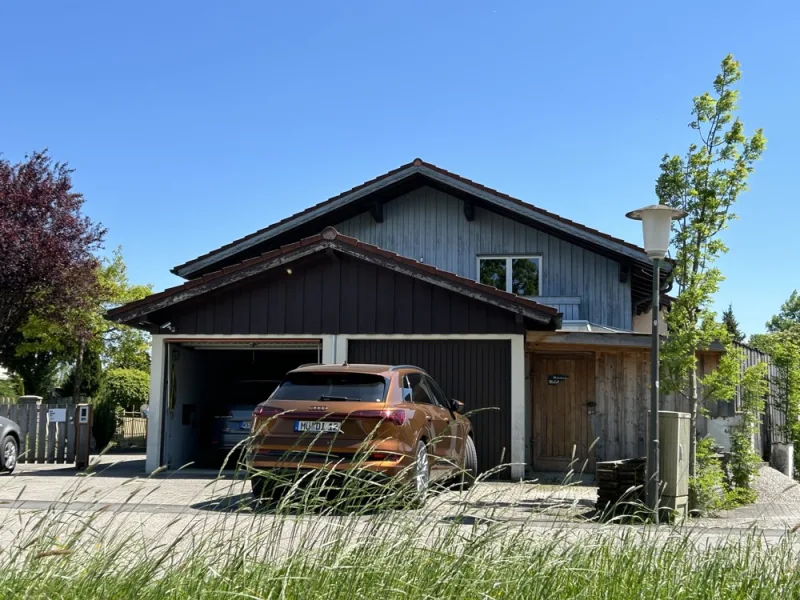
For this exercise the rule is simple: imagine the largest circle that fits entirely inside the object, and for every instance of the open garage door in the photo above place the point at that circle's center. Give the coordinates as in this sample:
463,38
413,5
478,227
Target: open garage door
213,385
477,372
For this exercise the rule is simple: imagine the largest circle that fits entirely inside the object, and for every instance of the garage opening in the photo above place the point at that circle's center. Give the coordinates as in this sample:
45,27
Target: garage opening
213,387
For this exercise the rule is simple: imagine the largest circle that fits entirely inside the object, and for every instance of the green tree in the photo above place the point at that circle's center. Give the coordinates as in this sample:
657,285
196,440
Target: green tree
127,348
91,375
732,324
788,316
38,369
126,388
782,343
705,183
83,330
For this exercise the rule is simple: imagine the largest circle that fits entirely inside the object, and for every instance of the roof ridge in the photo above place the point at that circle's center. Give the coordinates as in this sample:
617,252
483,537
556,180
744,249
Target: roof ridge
416,163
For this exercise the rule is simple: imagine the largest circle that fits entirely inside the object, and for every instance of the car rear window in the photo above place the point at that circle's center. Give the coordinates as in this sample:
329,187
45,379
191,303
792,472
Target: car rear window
361,387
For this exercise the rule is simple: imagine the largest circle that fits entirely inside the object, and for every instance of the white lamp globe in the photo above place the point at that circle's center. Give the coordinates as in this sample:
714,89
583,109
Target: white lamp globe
656,227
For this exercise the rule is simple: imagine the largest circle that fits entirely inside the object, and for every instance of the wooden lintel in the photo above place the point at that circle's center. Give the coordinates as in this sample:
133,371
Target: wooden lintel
469,210
376,210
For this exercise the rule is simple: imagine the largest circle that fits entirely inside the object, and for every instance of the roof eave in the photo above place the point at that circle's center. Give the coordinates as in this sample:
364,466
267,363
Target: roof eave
544,316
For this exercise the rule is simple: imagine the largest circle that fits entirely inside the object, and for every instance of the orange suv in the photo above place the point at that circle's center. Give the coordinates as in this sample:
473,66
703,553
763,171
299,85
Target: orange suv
390,420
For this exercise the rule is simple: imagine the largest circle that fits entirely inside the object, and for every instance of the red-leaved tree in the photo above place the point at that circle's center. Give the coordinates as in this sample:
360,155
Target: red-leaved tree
47,265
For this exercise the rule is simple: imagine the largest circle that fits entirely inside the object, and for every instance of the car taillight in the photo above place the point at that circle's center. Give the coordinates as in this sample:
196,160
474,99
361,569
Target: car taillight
398,417
266,411
383,456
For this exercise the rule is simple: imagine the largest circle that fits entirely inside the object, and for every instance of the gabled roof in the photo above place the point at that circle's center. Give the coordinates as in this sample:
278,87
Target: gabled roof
330,239
424,173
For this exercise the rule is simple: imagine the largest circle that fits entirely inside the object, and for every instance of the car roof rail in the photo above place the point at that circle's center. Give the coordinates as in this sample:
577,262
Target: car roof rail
398,367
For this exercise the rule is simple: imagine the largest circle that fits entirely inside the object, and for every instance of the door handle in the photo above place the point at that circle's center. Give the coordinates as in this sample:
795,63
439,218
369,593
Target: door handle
427,417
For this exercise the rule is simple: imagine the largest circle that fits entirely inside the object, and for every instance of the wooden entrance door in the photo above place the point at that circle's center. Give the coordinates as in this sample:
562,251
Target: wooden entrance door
562,396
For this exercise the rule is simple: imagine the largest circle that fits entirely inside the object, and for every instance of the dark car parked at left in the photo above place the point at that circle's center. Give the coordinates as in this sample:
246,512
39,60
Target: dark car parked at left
9,444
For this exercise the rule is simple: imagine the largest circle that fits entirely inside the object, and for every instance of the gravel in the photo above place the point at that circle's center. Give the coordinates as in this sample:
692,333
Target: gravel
774,487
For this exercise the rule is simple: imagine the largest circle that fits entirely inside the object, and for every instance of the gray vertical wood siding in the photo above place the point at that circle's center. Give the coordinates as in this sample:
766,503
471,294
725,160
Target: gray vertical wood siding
429,225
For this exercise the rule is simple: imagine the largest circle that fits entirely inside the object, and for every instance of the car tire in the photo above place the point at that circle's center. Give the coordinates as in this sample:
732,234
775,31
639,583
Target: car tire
420,475
467,477
9,454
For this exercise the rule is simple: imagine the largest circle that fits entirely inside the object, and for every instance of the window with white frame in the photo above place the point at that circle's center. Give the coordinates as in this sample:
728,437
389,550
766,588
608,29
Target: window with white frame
521,275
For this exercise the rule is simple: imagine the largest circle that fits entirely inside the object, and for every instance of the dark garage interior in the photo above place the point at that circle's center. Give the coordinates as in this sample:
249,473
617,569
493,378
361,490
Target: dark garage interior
214,388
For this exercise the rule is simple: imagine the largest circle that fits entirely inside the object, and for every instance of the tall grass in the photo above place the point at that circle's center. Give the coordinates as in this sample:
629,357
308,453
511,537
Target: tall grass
366,540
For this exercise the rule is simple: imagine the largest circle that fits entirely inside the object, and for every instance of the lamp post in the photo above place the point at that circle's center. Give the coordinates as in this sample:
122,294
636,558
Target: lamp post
656,225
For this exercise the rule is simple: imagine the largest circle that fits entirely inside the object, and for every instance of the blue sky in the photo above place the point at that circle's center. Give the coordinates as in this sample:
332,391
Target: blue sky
193,123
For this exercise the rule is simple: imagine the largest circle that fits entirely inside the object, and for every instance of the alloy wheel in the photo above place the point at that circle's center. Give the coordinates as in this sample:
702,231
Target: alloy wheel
421,474
10,455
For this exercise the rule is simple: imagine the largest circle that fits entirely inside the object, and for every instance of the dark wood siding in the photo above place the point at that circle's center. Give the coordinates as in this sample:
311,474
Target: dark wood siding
477,372
337,294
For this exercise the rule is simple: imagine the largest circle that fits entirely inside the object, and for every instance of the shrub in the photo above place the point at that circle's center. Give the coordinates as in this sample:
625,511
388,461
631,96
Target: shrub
708,486
126,388
744,460
11,387
105,422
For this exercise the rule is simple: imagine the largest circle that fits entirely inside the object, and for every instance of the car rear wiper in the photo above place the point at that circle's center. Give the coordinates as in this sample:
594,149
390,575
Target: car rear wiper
337,398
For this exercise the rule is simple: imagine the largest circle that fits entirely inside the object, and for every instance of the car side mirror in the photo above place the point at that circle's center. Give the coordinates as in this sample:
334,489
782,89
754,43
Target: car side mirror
457,405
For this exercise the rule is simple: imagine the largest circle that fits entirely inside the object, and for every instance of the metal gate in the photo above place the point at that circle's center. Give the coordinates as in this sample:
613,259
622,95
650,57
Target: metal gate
477,372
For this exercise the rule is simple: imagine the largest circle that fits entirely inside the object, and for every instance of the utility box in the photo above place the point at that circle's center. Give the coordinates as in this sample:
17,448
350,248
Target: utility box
83,434
673,435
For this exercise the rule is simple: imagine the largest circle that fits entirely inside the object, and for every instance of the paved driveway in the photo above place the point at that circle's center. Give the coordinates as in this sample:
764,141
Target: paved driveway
116,498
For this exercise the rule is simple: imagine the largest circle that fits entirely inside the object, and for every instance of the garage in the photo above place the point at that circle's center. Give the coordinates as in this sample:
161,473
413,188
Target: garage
213,386
228,336
477,372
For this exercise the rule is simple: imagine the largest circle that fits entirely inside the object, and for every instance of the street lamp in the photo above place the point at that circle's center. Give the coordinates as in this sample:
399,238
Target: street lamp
656,225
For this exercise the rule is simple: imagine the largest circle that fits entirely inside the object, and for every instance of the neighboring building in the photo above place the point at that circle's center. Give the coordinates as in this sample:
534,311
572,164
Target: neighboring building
505,304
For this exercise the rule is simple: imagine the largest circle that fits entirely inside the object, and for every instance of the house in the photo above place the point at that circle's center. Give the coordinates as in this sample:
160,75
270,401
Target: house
529,318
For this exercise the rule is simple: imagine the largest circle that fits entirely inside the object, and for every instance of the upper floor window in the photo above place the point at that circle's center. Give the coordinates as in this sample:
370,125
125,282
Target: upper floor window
519,275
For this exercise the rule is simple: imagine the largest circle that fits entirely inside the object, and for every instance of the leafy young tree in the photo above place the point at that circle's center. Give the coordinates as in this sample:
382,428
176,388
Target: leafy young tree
705,183
732,324
46,244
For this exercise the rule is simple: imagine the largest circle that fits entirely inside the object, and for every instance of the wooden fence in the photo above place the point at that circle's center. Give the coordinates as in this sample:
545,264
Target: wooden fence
43,441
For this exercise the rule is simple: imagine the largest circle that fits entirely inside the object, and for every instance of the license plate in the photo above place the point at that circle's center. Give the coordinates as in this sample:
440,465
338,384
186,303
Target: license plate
318,426
244,425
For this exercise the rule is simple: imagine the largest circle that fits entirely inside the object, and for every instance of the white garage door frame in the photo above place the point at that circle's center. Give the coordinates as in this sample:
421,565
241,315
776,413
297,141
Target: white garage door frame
159,378
334,350
519,412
